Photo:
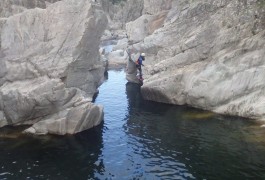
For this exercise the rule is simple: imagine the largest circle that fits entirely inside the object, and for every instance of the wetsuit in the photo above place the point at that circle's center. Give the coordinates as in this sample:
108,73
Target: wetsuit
139,66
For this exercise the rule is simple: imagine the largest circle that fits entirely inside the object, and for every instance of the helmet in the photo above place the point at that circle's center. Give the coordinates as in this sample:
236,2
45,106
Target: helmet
143,54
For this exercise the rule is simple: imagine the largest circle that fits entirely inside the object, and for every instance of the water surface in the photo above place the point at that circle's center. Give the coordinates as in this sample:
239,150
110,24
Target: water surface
139,140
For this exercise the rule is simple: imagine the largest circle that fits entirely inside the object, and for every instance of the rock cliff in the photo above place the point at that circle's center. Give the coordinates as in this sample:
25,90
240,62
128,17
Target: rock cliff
207,54
49,64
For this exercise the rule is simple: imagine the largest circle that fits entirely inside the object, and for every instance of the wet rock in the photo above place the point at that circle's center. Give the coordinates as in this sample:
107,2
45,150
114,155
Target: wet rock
131,70
69,121
3,121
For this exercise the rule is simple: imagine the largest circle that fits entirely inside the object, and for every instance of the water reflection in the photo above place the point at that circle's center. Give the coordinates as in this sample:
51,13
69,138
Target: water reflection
178,142
139,140
50,157
134,96
149,138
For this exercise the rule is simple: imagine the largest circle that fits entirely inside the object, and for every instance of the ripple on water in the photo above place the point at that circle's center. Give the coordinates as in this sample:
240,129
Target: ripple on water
140,140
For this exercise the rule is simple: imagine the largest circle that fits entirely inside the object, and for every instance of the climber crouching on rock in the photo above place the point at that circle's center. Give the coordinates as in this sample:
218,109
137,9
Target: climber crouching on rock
139,64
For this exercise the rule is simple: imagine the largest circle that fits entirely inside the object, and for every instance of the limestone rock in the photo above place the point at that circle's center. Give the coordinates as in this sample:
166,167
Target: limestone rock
122,12
11,7
3,121
50,64
69,121
209,55
155,6
117,59
122,44
131,70
145,25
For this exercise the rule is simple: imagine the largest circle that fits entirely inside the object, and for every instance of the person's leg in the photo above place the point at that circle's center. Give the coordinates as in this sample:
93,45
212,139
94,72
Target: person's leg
140,70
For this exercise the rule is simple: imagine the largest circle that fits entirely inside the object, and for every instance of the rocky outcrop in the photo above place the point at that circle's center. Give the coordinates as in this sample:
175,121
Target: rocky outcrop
132,74
11,7
120,12
144,26
209,54
50,66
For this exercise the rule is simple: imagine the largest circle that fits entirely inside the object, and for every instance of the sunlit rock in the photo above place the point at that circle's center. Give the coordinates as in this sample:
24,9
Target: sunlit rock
50,66
209,55
117,58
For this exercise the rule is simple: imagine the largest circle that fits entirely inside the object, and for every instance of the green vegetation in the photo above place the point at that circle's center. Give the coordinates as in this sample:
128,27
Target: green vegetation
195,115
116,1
261,3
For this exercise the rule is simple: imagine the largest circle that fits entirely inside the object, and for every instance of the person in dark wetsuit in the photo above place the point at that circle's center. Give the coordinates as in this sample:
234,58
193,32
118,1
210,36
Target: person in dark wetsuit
139,64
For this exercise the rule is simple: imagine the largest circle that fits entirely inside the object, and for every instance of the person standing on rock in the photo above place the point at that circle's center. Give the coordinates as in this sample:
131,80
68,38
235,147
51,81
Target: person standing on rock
139,64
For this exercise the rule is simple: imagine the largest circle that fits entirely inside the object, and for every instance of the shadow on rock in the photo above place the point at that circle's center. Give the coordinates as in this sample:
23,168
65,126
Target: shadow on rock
134,96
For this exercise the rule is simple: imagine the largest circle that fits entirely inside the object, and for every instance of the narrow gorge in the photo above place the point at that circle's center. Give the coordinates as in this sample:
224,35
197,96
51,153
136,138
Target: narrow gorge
209,55
205,54
73,104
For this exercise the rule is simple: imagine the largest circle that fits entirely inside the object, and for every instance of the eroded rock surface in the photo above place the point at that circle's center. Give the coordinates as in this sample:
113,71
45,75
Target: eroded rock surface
50,66
207,54
11,7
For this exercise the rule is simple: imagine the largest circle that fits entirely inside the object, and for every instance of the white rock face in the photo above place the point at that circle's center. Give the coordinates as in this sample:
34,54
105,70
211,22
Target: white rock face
50,68
156,6
118,13
117,58
70,121
145,25
206,54
122,12
11,7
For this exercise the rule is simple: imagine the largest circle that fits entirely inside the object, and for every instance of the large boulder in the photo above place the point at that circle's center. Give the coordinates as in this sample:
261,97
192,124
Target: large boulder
209,55
131,71
50,67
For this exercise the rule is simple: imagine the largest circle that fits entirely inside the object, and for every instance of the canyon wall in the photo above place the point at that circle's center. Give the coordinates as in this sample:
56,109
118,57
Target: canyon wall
50,67
206,54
